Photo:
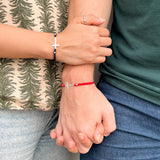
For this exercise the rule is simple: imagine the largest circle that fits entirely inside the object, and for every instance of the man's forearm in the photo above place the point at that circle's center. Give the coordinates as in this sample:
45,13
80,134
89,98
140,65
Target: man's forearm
82,108
99,8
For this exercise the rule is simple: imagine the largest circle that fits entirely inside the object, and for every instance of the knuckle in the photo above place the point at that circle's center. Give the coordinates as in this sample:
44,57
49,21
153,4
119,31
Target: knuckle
109,41
93,50
91,16
103,59
95,30
96,41
107,32
112,129
109,52
110,110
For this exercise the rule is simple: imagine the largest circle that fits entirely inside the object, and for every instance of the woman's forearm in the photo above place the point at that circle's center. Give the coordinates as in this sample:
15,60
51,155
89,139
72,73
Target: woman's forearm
77,42
21,43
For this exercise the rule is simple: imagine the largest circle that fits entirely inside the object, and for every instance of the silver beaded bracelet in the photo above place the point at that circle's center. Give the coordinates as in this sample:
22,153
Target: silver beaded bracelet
55,45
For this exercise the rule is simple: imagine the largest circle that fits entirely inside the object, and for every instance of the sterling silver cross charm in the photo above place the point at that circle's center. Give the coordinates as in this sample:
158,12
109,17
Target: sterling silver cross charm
55,45
68,85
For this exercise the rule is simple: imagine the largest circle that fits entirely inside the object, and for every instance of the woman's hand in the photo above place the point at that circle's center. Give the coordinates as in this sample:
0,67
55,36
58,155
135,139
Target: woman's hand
83,44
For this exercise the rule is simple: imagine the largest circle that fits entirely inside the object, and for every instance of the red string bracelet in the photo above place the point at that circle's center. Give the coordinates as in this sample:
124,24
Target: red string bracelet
76,84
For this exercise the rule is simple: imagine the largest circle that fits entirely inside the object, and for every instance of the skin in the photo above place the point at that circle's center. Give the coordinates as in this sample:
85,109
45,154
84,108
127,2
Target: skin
38,44
84,35
85,114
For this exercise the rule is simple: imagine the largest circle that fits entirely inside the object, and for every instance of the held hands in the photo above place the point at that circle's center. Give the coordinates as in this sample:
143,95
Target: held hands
83,44
83,110
85,116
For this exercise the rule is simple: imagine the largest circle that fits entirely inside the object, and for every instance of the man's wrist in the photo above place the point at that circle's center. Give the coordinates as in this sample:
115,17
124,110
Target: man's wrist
78,74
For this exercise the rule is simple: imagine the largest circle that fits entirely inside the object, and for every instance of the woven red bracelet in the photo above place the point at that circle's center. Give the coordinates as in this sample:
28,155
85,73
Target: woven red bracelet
76,84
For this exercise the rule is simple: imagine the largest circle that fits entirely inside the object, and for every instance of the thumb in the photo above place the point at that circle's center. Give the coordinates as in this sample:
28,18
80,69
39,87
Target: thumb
90,20
109,122
53,134
98,134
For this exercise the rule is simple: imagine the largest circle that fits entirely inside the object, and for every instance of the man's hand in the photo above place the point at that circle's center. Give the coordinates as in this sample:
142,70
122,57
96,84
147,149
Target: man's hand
82,109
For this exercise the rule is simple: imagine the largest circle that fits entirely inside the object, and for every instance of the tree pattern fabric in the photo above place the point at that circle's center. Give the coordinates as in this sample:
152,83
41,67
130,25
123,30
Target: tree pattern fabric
31,83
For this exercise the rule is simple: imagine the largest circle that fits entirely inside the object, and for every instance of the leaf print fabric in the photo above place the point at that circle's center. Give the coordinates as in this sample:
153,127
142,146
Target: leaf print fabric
6,83
2,12
30,83
22,13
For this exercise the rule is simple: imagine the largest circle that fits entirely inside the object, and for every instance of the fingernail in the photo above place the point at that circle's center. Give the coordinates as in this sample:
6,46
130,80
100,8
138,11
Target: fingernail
53,135
58,141
81,137
70,145
99,137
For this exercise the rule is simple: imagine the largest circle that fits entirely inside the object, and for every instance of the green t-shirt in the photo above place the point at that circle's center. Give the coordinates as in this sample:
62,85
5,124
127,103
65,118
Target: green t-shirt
135,64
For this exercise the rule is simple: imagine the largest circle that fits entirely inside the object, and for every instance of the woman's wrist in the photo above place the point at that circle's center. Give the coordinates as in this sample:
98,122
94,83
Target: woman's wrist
53,42
25,43
59,42
45,46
